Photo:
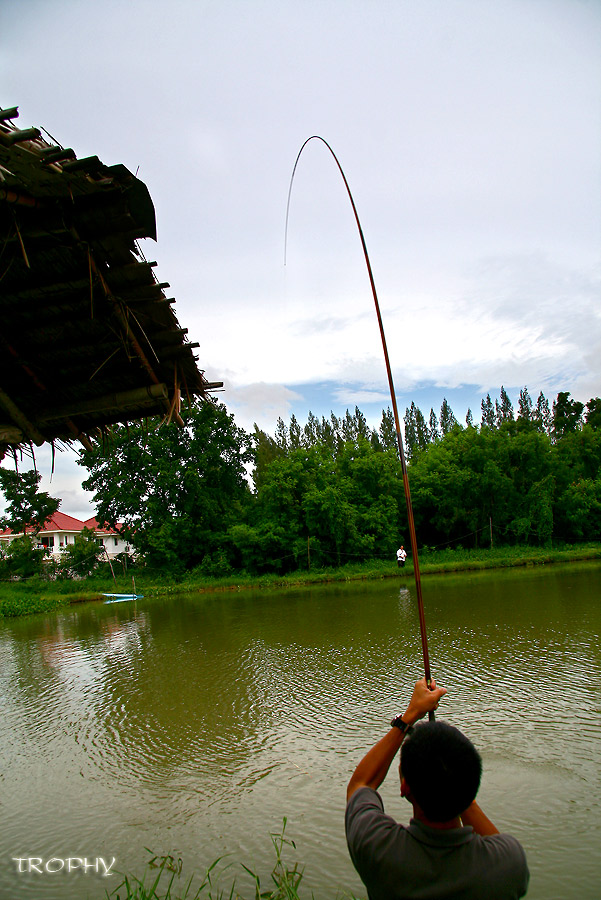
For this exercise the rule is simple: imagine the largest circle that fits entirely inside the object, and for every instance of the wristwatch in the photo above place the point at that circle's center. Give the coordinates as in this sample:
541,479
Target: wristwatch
401,725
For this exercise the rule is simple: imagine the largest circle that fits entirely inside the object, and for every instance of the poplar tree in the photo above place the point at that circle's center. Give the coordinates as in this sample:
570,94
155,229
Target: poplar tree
410,435
488,413
265,449
348,428
433,424
281,434
542,414
504,409
327,433
311,431
447,418
387,431
525,406
361,426
294,433
336,430
374,440
417,436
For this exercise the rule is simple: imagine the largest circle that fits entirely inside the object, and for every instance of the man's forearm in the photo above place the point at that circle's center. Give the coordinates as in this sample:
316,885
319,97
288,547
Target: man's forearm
478,820
374,766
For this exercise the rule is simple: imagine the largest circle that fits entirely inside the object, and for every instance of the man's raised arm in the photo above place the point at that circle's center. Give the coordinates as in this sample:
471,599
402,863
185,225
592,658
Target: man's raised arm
374,766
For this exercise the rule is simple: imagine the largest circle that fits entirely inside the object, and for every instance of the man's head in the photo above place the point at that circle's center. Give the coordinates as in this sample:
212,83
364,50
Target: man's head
442,770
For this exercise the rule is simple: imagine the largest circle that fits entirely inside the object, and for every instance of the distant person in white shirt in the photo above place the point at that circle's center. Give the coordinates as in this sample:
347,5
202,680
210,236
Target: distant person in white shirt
401,556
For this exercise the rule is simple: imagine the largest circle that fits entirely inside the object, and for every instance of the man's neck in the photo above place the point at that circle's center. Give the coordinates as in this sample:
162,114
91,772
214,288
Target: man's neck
442,826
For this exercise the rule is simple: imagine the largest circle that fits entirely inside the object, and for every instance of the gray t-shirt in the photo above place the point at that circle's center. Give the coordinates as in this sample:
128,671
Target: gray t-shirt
416,862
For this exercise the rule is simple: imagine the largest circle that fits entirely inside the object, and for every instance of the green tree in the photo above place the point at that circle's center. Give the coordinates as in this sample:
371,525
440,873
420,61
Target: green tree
433,426
336,429
577,470
173,491
447,418
27,506
387,430
266,449
472,476
593,412
525,406
281,434
541,415
361,426
417,436
488,413
581,509
329,506
311,431
567,415
504,409
295,433
24,558
82,556
327,433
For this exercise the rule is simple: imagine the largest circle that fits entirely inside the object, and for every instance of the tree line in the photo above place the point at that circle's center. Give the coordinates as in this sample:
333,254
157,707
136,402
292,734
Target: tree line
214,498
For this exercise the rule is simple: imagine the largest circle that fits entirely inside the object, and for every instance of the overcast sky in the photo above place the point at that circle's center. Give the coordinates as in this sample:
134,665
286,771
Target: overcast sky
470,135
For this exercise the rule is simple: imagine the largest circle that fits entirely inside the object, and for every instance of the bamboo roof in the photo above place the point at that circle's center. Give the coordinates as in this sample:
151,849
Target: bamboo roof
88,336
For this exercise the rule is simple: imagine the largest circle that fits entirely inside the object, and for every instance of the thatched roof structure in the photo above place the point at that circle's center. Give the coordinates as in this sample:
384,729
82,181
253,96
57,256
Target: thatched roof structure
88,336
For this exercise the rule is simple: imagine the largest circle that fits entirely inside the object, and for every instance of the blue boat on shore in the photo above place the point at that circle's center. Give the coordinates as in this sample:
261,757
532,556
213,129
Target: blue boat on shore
120,598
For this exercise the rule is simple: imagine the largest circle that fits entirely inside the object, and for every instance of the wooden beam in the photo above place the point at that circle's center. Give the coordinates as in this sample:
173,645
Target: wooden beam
10,434
21,420
122,401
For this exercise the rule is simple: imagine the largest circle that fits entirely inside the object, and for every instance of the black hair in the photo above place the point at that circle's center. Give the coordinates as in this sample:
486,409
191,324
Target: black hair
442,768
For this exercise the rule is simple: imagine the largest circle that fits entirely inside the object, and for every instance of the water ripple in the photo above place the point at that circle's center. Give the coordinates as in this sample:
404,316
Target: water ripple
205,723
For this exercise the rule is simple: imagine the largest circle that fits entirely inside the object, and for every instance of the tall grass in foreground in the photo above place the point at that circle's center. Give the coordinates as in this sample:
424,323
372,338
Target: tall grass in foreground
163,880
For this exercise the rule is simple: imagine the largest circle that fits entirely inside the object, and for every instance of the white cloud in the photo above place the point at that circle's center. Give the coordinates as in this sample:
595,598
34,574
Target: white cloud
260,403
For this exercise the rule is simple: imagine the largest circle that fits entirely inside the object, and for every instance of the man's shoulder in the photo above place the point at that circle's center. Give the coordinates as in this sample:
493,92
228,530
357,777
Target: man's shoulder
455,862
366,822
502,844
364,798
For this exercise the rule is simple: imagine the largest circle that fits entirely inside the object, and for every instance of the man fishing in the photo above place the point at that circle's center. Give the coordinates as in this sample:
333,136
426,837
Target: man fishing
450,848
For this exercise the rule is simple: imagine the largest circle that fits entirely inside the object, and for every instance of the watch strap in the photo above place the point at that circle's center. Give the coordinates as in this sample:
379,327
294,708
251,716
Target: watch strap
404,727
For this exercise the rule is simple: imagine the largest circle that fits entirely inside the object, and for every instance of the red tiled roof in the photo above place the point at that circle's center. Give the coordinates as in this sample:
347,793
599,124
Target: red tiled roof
62,522
93,523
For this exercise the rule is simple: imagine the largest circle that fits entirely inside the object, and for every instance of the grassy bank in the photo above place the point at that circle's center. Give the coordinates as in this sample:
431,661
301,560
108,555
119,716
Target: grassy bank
38,595
164,880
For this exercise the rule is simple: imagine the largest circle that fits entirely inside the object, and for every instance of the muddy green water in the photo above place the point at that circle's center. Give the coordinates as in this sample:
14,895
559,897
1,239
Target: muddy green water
193,725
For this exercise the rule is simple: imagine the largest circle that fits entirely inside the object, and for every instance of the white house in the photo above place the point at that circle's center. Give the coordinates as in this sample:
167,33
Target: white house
60,531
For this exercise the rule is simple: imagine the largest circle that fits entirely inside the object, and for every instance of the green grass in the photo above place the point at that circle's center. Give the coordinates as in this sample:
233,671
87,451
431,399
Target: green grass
439,561
37,595
164,880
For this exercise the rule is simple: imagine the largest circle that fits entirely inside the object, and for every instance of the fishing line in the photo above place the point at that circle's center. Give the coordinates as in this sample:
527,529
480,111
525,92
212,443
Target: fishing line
411,523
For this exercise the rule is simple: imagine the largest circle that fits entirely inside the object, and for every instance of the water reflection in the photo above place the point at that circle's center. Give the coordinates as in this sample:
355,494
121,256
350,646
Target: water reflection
197,723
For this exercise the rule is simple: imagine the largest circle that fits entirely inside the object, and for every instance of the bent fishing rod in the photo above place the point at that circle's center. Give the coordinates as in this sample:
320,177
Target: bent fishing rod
410,519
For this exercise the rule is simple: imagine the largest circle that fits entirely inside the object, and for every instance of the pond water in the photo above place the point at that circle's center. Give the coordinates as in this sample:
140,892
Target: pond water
192,725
